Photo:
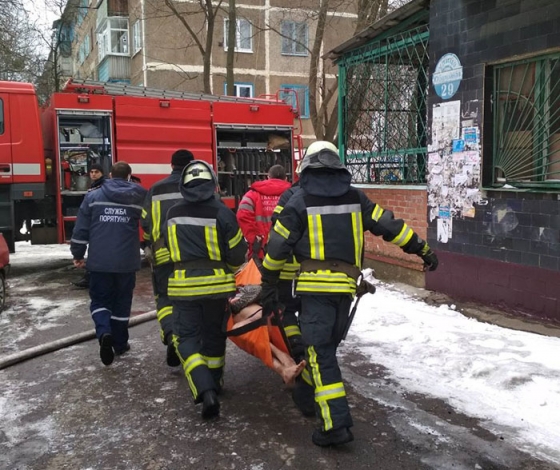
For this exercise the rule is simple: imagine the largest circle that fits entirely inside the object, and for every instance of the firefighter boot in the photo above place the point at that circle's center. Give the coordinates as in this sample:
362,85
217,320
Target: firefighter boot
172,358
303,396
210,404
106,349
333,437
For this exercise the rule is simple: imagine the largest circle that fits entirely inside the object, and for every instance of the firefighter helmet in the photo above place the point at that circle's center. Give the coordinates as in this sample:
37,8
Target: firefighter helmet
199,170
322,154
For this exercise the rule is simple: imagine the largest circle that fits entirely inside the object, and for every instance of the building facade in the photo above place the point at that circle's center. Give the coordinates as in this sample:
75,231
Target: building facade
145,42
479,113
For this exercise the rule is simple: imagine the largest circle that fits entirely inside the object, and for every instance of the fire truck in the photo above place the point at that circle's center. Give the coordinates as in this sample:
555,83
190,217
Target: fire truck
46,153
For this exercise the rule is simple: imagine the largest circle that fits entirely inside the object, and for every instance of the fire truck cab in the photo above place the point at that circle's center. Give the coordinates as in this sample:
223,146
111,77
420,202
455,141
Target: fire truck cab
92,122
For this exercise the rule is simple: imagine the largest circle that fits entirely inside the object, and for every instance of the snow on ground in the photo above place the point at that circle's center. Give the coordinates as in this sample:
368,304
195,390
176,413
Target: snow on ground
35,273
509,379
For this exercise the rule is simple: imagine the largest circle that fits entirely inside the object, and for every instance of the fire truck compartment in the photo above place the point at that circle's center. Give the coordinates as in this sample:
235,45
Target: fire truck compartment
245,154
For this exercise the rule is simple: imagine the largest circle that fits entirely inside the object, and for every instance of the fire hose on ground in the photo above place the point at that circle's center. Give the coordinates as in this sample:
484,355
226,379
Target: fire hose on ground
52,346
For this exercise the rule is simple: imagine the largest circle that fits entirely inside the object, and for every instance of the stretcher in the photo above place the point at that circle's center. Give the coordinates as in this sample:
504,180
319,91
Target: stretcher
260,336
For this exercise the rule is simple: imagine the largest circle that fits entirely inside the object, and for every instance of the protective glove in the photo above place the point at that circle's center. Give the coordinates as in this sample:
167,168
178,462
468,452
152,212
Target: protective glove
429,257
148,254
269,297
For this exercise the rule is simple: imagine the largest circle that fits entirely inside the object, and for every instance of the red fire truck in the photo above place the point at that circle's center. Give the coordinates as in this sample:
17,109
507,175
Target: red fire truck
45,155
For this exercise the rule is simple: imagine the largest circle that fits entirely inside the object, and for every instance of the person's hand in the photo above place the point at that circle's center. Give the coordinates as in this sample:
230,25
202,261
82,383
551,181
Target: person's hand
79,263
149,254
430,259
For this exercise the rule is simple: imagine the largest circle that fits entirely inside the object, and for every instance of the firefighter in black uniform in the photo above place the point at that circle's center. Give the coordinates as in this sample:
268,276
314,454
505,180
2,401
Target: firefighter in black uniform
206,247
324,224
302,391
161,197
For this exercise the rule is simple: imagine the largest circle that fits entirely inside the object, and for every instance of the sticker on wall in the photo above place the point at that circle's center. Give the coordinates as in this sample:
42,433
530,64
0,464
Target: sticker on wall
447,76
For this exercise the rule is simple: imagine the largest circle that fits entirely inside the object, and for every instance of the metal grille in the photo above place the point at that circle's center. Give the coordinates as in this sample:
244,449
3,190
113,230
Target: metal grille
384,89
527,122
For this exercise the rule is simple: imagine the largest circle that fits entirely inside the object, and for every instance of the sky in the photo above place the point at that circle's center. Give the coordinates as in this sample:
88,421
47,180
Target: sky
508,379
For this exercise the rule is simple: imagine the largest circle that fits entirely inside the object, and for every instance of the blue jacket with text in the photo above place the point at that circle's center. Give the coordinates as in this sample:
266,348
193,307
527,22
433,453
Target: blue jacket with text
108,222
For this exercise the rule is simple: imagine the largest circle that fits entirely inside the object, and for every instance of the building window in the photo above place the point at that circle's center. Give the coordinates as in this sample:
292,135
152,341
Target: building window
526,123
294,38
298,97
241,90
113,37
243,35
136,37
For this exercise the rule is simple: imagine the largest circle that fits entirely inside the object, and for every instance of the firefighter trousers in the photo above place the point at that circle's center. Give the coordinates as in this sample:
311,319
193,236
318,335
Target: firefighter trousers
160,279
290,321
319,319
201,342
111,300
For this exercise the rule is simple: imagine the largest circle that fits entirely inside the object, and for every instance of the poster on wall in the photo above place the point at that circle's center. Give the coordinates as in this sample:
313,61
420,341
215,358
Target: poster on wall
446,125
453,168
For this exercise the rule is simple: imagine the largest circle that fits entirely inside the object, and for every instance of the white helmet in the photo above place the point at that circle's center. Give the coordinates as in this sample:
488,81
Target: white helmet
319,145
322,154
199,170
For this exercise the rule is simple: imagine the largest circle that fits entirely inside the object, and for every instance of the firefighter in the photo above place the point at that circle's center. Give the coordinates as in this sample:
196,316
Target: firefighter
302,391
107,225
161,197
254,214
323,224
206,247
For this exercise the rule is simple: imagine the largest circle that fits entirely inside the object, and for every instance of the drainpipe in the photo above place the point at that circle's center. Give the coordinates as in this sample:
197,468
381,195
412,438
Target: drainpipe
144,69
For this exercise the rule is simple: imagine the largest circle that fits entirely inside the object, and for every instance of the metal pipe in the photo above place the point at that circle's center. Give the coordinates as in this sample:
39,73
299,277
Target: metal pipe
36,351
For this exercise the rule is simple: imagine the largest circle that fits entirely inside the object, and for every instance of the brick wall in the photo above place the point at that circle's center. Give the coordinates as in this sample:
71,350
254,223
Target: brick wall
407,204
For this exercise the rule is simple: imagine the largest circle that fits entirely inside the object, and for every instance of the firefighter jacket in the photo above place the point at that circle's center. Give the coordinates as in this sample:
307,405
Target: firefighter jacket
108,223
291,266
161,197
254,214
326,221
205,244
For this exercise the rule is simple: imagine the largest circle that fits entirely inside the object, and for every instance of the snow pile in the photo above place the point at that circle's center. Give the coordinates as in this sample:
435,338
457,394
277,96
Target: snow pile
509,379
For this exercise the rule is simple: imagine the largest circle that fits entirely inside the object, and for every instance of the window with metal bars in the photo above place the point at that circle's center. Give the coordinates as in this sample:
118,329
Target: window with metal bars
526,123
384,119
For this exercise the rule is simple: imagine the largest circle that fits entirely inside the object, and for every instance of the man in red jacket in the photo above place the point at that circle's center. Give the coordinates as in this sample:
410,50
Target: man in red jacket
254,214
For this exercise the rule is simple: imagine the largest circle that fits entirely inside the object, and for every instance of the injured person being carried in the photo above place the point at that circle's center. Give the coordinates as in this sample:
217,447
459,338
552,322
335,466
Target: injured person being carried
261,337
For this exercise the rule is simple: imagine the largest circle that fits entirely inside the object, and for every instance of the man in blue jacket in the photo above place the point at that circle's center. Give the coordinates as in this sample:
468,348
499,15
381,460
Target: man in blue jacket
108,223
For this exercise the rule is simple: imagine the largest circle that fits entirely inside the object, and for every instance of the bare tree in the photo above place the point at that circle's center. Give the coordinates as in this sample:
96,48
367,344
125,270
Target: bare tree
200,32
19,56
323,107
232,32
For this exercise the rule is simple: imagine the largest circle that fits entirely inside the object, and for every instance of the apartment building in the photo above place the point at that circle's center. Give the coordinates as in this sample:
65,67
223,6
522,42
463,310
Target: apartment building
149,43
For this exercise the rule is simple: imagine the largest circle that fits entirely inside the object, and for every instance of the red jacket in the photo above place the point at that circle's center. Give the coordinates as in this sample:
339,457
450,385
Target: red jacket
254,214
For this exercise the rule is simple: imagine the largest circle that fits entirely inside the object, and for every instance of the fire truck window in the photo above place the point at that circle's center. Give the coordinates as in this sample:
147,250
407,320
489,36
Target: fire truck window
1,117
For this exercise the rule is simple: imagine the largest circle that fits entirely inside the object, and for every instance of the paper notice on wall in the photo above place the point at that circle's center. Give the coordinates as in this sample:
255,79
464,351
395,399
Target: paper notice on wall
468,211
446,125
444,230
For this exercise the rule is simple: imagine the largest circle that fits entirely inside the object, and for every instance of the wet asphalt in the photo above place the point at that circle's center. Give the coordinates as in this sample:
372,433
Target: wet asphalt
65,410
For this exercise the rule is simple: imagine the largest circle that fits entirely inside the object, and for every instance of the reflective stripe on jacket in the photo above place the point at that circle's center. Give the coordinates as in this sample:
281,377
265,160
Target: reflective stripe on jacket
204,230
161,197
326,228
291,267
